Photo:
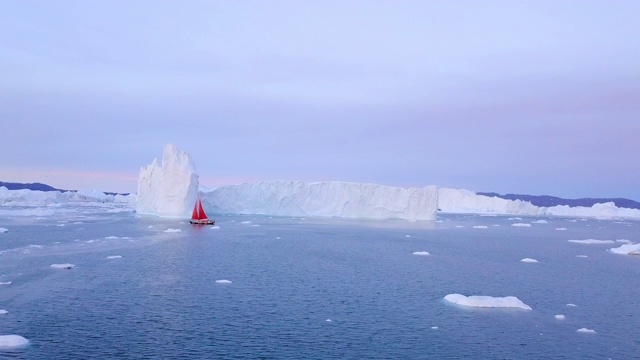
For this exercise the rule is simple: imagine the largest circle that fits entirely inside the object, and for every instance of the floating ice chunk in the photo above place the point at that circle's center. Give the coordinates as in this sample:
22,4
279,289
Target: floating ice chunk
521,225
581,256
561,229
223,282
480,227
12,341
245,222
626,249
572,305
586,331
559,317
173,231
111,237
487,301
407,236
496,225
61,225
62,266
514,218
421,253
459,226
434,327
328,320
5,282
114,257
529,260
278,238
255,225
624,241
540,222
215,227
3,230
149,227
36,246
592,241
2,312
77,222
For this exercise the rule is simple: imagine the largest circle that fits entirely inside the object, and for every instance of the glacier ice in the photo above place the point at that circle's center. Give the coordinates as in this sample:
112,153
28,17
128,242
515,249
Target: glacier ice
461,201
325,199
487,301
170,189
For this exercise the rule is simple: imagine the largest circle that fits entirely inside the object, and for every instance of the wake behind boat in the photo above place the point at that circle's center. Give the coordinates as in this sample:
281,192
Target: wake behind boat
198,217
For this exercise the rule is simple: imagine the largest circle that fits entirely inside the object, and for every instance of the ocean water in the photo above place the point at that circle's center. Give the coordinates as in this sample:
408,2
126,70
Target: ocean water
314,288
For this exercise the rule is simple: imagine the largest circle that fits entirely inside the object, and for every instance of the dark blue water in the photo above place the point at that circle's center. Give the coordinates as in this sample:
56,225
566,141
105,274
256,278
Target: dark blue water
289,276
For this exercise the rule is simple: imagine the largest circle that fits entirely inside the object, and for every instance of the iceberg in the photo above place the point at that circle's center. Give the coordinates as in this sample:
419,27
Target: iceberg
560,317
2,312
3,230
62,266
170,189
592,241
12,341
325,199
521,225
223,282
607,210
626,249
461,201
421,253
487,301
529,260
586,331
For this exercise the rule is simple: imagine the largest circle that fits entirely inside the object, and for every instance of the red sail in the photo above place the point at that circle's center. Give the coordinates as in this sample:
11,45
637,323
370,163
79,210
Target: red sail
194,215
202,215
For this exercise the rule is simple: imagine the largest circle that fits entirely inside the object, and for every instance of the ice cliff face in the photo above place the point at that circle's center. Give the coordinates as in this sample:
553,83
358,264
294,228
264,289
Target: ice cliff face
468,202
326,199
169,190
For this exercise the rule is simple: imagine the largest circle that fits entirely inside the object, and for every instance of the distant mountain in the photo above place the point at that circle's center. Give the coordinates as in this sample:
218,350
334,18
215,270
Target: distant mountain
548,201
41,187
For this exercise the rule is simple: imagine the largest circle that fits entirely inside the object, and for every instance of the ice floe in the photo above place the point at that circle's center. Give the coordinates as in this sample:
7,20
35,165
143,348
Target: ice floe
111,237
626,249
328,320
3,230
592,241
581,256
223,281
173,231
586,331
514,218
114,257
480,227
12,341
407,236
434,327
521,225
215,227
421,253
487,301
5,282
62,266
561,229
559,317
529,260
540,222
2,312
245,222
572,305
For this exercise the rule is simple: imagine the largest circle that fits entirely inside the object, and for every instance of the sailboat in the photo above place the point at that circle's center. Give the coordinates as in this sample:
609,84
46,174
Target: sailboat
198,217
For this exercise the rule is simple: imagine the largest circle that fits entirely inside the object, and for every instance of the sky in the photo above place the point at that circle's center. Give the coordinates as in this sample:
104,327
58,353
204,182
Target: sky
535,97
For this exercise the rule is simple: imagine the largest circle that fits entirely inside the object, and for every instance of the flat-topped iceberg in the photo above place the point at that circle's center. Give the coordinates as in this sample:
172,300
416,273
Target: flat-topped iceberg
627,249
466,201
487,301
12,341
325,199
170,189
592,241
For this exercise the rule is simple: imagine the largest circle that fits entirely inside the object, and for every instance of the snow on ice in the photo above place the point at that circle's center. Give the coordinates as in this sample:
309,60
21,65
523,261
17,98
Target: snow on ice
487,301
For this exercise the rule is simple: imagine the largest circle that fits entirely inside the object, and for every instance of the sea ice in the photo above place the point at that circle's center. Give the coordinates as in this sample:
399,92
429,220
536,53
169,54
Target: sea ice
421,253
114,257
3,230
586,331
521,225
62,266
12,341
560,317
514,218
328,320
624,241
215,227
627,249
434,327
529,260
487,301
540,222
5,282
173,231
581,256
572,305
561,229
255,225
407,236
245,222
459,226
592,241
223,281
111,237
480,227
2,312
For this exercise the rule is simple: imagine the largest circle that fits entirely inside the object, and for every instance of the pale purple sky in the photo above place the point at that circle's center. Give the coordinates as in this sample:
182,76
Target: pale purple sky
538,97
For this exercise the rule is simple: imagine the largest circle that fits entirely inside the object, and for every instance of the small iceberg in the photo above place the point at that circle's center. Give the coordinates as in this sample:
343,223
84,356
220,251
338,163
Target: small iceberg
540,222
521,225
3,230
173,231
111,237
12,341
2,312
561,229
245,222
626,249
529,260
591,241
223,281
586,331
434,327
215,227
328,320
559,317
480,227
421,253
514,218
581,256
5,282
62,266
487,301
572,305
407,236
114,257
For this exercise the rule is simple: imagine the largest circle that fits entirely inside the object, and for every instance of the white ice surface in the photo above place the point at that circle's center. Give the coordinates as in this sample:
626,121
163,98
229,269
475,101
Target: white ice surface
421,253
223,281
592,241
3,230
521,225
173,231
586,331
627,249
560,317
114,257
487,301
2,312
12,341
62,266
529,260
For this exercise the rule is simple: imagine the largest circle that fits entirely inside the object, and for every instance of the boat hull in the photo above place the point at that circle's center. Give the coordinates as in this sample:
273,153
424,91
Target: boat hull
202,222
